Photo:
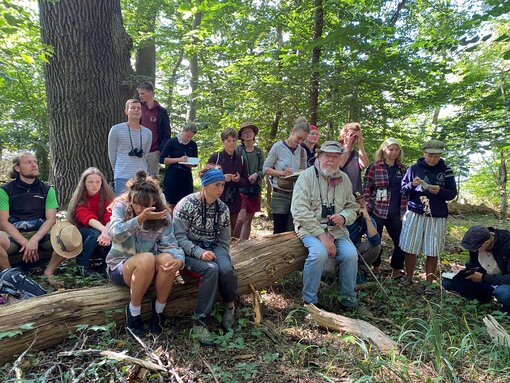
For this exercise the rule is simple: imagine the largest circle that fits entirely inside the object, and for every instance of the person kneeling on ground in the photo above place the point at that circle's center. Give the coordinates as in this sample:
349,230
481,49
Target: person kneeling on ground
143,249
202,228
322,206
487,273
28,211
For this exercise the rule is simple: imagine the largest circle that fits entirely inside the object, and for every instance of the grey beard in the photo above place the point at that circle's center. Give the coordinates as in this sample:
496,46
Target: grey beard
328,172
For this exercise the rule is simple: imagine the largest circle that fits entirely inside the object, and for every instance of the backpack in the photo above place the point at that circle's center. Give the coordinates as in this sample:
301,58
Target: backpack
16,284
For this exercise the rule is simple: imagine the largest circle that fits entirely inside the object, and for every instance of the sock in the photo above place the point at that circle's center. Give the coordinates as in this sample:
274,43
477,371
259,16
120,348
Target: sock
135,310
159,307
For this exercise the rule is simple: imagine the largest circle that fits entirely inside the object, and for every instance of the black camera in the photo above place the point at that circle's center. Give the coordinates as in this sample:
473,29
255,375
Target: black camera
135,152
327,210
230,194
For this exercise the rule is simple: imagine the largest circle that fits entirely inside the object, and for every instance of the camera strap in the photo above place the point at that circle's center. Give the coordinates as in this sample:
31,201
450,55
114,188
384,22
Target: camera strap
319,184
216,215
131,139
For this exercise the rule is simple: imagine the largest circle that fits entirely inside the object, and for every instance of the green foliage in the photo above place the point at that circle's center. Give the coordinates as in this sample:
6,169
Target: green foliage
482,186
19,330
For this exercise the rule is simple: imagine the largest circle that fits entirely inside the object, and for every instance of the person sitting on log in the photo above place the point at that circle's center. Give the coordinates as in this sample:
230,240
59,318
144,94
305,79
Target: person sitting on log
323,206
28,211
144,249
88,210
365,225
202,228
368,249
487,273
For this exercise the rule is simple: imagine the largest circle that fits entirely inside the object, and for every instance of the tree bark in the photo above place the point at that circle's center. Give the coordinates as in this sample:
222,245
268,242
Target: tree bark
258,263
86,84
145,63
193,67
318,25
173,81
502,182
353,326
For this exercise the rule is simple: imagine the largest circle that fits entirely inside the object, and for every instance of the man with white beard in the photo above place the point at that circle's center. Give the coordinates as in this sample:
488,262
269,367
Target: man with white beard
322,206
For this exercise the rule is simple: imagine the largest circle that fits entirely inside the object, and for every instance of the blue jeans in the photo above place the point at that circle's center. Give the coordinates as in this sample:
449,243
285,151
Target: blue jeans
346,256
89,237
480,291
214,275
119,186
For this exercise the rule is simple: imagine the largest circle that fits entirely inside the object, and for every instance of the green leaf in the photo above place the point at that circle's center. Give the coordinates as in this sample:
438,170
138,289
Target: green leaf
11,20
27,58
18,331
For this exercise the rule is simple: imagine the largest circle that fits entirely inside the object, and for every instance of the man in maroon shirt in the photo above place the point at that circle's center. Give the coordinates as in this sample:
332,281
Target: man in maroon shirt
155,118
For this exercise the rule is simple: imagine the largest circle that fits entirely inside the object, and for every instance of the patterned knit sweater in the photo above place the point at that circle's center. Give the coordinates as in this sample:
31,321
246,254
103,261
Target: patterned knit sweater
199,226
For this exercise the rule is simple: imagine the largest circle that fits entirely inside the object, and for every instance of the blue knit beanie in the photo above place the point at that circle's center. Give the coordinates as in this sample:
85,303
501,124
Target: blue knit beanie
211,176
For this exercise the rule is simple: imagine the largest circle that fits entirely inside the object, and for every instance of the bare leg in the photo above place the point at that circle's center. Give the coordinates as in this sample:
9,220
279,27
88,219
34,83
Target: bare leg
241,218
246,230
4,245
430,269
138,273
233,220
410,265
164,280
55,262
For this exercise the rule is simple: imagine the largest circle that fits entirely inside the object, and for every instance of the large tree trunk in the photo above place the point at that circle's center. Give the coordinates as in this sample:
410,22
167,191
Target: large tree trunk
145,64
193,67
318,25
51,317
85,84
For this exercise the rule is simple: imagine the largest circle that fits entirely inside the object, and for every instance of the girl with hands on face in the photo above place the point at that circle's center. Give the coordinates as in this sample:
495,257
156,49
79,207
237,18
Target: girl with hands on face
144,250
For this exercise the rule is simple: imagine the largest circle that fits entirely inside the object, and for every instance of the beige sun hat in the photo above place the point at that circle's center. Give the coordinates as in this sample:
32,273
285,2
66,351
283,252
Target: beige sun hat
66,239
330,147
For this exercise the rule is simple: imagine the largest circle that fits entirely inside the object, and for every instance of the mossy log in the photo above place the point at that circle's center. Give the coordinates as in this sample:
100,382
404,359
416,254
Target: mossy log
49,318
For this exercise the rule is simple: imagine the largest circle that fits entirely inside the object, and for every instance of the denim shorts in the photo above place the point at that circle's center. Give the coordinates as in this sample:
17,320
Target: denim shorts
116,276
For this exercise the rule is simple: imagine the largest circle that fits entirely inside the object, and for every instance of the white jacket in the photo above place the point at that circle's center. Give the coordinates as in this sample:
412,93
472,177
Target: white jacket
306,205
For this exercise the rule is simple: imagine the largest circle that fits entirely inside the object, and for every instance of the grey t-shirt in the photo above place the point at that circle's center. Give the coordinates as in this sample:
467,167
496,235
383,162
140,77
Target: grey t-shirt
120,144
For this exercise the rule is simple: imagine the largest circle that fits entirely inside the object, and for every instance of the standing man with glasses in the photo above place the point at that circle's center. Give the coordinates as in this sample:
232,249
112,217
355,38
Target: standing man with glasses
128,145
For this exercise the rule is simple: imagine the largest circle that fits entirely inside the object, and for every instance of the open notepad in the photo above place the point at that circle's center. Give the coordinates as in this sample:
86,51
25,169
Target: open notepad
293,175
462,274
191,161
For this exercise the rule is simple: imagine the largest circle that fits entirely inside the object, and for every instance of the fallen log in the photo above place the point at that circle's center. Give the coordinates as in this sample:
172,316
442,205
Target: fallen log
357,327
258,263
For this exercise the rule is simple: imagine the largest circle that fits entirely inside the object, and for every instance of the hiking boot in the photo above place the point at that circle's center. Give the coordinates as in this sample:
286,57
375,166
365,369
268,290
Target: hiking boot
204,336
405,281
157,321
429,290
134,323
228,319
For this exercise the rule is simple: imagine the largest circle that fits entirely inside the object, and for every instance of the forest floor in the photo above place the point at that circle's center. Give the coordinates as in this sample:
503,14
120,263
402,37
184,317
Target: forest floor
442,338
